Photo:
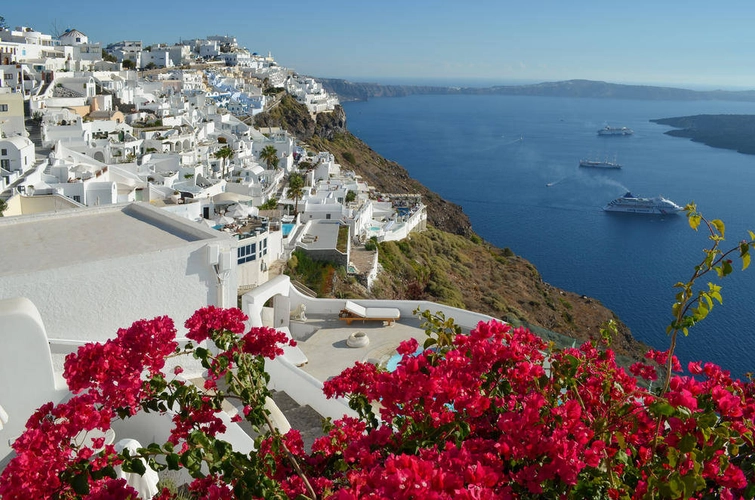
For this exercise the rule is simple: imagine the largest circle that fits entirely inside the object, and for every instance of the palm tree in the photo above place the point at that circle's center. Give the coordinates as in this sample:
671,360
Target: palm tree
295,190
270,156
224,154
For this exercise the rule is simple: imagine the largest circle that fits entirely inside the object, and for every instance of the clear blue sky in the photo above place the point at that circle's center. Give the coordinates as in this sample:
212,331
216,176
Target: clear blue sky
690,44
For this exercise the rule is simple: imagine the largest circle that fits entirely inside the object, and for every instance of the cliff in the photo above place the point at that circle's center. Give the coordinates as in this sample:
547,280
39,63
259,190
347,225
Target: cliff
449,263
329,133
735,132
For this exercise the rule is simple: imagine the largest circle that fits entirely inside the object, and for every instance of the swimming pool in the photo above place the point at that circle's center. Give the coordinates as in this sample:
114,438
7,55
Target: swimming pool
287,228
393,361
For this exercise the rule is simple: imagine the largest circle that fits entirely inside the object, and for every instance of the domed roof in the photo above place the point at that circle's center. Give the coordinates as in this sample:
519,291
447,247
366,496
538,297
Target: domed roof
72,32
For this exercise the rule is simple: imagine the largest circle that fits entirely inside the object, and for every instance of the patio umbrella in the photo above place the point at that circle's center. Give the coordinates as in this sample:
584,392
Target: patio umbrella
225,220
238,211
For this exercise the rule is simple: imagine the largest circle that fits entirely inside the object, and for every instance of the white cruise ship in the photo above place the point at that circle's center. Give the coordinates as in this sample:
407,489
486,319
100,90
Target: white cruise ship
630,203
615,131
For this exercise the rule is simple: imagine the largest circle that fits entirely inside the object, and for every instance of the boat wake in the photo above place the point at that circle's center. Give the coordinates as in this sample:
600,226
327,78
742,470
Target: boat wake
520,139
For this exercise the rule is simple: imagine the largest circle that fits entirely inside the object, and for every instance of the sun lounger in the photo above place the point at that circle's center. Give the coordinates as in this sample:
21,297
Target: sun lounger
353,311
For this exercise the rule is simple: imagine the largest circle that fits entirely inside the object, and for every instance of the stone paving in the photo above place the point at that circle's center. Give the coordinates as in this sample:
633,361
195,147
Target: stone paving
329,354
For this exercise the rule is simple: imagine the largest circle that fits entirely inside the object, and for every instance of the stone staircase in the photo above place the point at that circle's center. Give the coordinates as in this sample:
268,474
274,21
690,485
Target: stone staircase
302,418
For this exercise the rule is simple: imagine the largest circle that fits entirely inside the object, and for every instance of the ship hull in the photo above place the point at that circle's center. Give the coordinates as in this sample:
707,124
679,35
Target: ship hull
640,210
599,164
611,131
630,204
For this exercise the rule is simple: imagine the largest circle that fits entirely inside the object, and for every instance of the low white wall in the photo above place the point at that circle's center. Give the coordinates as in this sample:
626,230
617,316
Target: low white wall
462,317
304,389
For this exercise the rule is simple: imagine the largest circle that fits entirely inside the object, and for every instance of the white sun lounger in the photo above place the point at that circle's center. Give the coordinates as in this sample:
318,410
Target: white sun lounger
353,311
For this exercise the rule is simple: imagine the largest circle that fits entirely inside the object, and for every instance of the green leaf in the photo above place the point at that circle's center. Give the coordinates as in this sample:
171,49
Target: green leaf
700,312
134,465
172,460
707,298
692,483
719,225
707,420
694,221
715,292
192,460
662,408
727,267
687,443
752,235
80,484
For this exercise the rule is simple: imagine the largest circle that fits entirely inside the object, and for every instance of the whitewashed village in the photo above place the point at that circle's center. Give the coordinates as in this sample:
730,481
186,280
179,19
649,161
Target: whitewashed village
133,184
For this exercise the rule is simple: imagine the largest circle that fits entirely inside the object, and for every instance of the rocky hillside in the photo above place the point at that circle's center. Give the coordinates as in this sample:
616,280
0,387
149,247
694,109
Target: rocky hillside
449,263
329,133
471,274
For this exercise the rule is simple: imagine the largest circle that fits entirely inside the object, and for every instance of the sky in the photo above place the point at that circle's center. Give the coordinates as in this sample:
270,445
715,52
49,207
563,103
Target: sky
691,43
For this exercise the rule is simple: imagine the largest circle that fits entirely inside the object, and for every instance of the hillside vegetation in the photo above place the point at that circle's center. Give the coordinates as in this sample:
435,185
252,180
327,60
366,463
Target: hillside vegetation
471,274
448,263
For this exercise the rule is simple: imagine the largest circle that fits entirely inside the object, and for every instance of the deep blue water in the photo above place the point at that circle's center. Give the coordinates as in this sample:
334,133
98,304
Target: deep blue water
494,155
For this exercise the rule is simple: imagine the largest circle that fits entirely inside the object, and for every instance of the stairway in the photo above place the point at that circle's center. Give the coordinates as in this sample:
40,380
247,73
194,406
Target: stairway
302,418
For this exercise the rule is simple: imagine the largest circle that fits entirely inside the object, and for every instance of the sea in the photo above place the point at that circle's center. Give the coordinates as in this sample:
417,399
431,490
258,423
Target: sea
512,163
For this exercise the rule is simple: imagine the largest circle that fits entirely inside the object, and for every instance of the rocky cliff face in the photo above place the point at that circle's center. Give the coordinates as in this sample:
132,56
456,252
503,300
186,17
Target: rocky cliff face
329,133
449,263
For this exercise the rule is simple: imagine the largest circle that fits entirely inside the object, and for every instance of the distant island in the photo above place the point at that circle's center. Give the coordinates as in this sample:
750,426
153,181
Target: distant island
735,132
356,91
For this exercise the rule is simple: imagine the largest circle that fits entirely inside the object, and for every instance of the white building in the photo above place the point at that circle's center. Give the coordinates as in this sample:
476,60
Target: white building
127,50
16,154
158,56
24,44
73,37
90,272
124,262
11,113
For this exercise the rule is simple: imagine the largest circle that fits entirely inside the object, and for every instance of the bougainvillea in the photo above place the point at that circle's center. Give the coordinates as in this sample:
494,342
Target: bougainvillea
493,413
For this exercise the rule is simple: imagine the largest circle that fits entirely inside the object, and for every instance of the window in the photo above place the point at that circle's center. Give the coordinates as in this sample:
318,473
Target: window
5,164
247,253
3,107
4,152
77,198
263,245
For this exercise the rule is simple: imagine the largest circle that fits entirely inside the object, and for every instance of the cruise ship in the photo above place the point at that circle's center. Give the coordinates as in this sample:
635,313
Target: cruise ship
615,131
630,203
599,164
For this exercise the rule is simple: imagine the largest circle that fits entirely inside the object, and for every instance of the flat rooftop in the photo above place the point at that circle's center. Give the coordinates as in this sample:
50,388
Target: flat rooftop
321,236
53,240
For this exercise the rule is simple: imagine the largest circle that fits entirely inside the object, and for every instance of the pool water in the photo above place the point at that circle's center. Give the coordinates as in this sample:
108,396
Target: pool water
287,228
393,361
